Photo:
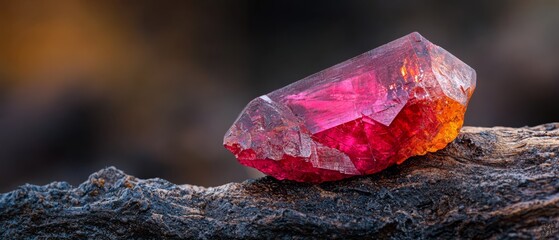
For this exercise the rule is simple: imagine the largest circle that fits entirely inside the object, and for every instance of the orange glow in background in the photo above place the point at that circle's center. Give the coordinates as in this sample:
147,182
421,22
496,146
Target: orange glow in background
151,87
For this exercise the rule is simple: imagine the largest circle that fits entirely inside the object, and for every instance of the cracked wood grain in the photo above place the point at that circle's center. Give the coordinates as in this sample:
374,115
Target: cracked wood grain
490,183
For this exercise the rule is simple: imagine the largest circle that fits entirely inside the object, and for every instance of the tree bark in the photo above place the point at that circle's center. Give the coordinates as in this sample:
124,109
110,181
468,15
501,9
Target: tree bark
489,183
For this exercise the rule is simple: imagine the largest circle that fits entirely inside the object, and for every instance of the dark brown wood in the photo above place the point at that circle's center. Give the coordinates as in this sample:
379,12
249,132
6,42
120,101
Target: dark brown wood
489,183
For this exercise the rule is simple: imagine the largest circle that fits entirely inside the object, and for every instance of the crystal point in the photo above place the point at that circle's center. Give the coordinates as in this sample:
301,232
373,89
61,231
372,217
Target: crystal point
402,99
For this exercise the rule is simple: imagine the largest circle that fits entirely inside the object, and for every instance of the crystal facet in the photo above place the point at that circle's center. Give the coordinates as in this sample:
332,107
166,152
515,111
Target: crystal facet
402,99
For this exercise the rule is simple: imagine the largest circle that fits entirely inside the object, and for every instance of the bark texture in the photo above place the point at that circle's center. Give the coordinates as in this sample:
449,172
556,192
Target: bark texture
489,183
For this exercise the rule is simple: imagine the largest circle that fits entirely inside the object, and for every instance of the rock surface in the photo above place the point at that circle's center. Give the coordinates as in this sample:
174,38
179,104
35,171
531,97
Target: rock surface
489,183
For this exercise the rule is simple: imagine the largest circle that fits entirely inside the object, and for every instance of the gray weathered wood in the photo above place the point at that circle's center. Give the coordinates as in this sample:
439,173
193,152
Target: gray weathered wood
489,183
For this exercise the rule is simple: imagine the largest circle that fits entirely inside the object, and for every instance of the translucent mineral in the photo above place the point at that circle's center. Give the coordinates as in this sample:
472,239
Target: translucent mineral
402,99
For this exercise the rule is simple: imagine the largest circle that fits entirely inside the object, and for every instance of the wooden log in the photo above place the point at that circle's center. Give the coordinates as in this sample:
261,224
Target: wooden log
489,183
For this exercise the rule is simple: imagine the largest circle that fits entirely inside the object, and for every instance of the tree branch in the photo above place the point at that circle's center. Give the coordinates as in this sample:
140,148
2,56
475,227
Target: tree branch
489,183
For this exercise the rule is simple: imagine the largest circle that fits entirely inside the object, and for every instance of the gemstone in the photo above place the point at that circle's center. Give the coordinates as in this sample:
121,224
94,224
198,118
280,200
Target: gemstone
402,99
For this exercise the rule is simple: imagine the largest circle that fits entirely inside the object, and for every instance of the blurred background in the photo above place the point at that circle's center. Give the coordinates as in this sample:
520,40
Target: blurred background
151,86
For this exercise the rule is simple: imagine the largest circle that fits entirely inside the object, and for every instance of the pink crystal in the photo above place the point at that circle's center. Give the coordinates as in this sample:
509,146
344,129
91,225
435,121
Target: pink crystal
402,99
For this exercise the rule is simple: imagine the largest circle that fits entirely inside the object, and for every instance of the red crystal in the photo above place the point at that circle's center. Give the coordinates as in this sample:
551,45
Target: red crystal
402,99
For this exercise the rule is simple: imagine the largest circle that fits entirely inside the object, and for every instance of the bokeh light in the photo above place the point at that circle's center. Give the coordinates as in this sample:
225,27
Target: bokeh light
151,86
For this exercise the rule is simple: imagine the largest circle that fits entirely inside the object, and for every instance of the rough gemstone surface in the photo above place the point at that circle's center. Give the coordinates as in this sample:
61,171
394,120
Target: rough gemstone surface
402,99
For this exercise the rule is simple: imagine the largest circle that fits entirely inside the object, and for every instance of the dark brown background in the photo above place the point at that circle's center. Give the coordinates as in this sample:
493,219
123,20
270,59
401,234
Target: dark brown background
152,86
